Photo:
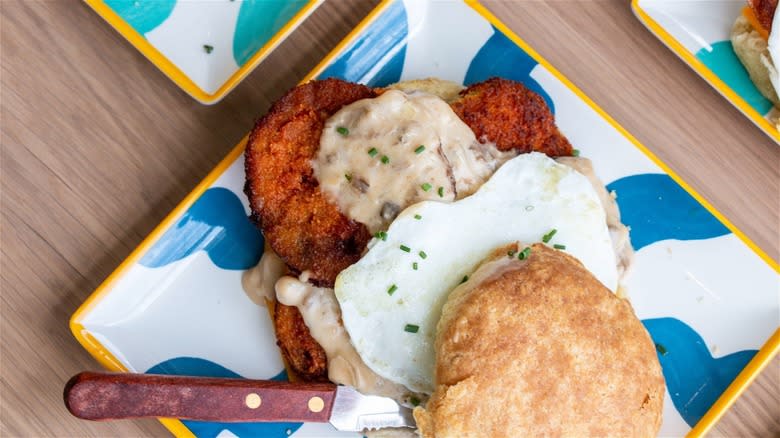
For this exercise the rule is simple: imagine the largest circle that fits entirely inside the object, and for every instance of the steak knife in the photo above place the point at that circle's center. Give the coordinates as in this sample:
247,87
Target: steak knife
110,396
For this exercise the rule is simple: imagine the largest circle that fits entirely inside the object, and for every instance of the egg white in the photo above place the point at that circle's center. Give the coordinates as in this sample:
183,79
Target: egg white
526,198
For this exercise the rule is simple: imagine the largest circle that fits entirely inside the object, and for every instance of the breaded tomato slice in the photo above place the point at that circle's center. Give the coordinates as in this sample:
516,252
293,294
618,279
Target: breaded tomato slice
511,116
307,231
302,353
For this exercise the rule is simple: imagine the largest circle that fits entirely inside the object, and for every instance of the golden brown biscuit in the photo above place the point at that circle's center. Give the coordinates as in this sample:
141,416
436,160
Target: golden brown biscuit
751,50
541,348
448,91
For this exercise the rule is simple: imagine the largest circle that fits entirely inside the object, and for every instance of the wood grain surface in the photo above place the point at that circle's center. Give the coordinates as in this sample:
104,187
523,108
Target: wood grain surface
98,146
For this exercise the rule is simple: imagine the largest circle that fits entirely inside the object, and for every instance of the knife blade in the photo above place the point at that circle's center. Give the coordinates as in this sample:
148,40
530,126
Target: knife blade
111,396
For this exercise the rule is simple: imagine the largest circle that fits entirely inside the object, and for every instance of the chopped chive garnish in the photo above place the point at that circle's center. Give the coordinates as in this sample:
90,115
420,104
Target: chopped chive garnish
575,152
405,248
465,279
441,192
392,289
414,401
414,266
559,246
348,177
208,48
661,349
419,149
373,152
425,187
546,238
423,255
418,217
343,131
385,159
411,328
383,235
524,253
510,253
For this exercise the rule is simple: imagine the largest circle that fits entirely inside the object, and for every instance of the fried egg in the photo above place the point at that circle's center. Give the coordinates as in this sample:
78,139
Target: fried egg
391,299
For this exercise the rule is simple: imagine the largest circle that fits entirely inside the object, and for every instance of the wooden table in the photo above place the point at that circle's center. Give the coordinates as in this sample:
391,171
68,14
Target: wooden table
98,146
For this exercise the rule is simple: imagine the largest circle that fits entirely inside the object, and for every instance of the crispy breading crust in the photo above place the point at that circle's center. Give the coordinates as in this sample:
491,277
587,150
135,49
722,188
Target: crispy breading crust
311,234
302,353
306,230
765,12
512,116
541,348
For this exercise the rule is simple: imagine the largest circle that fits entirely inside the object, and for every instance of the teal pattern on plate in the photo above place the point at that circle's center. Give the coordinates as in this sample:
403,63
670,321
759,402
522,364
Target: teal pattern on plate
142,15
258,21
724,63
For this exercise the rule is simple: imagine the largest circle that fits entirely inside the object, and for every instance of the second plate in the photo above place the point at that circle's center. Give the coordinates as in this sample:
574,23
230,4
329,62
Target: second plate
699,33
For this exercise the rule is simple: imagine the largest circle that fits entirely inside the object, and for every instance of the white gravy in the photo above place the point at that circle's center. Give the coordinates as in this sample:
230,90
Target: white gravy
378,156
624,253
322,315
258,282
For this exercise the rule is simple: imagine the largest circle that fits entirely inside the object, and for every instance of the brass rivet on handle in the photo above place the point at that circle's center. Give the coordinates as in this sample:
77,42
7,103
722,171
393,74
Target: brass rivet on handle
316,404
253,401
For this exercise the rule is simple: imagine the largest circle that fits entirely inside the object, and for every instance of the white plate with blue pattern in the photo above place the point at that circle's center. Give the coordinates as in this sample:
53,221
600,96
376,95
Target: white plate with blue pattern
707,295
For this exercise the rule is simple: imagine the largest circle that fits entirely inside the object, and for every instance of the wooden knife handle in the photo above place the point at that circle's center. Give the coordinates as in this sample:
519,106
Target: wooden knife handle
108,396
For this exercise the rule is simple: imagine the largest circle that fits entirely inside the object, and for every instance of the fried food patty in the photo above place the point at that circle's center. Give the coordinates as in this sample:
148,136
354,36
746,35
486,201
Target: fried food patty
541,348
302,353
511,116
308,232
765,12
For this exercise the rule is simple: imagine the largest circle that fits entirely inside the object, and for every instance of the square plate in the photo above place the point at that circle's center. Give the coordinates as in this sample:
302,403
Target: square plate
176,305
205,47
699,33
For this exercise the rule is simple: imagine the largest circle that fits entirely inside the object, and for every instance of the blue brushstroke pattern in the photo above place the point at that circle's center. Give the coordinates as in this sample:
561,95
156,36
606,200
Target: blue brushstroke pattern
377,57
501,57
215,223
258,21
142,15
657,208
694,378
193,366
724,63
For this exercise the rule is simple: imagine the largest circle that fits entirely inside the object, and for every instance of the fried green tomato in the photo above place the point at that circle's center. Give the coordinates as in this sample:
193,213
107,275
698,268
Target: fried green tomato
302,353
308,232
510,115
